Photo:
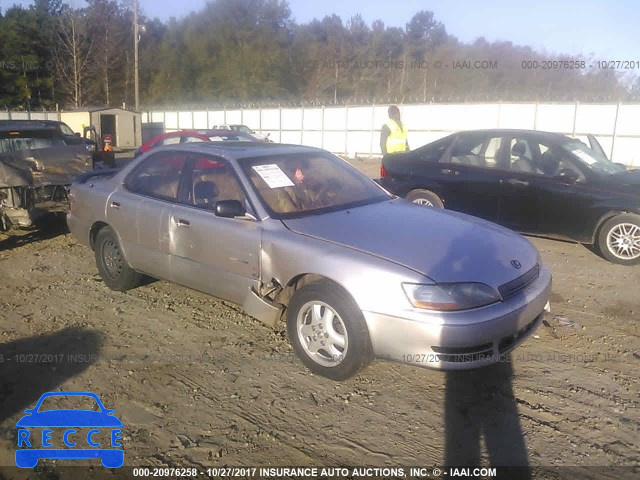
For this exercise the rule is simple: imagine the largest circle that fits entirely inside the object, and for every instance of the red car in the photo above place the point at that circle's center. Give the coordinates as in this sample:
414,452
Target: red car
188,136
171,138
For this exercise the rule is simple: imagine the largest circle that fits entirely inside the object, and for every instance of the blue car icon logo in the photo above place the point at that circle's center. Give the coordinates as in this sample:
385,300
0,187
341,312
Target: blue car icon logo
69,433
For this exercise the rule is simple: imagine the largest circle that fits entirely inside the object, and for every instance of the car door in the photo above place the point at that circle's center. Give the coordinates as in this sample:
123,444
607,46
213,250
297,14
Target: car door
568,201
216,255
520,185
469,175
139,211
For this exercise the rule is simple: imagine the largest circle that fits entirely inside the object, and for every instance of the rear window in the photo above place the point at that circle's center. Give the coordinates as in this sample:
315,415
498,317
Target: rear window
20,140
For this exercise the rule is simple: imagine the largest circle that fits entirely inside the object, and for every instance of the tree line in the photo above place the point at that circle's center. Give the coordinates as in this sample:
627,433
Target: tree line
238,52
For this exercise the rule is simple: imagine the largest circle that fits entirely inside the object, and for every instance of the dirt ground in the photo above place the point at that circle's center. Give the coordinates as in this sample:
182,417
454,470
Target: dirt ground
198,383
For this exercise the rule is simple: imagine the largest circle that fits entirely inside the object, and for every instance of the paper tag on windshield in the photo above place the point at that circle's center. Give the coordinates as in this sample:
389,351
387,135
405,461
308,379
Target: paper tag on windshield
273,176
584,156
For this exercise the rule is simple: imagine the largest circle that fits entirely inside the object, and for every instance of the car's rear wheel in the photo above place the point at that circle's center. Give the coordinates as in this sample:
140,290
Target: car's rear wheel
112,266
619,239
328,331
425,198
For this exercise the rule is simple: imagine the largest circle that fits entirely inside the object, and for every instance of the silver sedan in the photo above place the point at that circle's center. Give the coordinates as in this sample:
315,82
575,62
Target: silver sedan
296,234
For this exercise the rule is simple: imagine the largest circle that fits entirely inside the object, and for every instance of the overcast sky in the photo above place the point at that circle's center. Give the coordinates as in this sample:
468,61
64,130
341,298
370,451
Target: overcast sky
609,30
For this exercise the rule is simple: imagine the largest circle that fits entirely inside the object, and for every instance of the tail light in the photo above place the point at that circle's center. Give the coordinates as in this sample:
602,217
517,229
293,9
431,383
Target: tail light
383,171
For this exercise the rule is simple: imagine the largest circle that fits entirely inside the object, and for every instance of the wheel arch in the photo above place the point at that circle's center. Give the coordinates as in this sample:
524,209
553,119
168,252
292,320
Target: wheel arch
93,232
605,218
297,282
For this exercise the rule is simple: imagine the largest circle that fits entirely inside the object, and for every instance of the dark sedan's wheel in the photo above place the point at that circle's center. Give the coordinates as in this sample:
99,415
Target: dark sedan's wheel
328,331
619,239
425,198
113,267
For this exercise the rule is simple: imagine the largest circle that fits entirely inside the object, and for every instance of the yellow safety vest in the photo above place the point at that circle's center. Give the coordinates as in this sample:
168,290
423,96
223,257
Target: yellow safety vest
397,139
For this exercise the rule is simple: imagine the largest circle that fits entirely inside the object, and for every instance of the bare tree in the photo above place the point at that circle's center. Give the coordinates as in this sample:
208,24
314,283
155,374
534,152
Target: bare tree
72,53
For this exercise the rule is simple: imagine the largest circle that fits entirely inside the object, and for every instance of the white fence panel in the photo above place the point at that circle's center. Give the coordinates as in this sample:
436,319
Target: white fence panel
555,118
200,120
171,121
251,118
291,119
270,119
628,120
312,138
312,119
359,118
595,119
335,118
215,118
517,116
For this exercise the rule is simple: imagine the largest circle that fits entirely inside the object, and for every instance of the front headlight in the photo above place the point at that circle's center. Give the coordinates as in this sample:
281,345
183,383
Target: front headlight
450,296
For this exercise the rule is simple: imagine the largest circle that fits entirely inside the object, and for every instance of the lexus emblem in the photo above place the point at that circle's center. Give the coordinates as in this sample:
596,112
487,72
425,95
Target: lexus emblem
516,264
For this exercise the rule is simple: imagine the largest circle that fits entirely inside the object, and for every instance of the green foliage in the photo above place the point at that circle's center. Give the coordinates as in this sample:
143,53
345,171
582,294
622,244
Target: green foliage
243,51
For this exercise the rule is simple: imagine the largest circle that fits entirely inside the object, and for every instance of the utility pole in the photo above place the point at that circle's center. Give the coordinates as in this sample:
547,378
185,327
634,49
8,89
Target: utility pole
136,85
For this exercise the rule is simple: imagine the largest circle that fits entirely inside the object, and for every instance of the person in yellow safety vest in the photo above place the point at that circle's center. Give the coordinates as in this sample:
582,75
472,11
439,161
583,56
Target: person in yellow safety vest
393,136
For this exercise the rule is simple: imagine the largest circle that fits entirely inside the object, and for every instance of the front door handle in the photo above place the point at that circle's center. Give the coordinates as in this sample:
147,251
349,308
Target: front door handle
183,223
115,205
519,183
449,171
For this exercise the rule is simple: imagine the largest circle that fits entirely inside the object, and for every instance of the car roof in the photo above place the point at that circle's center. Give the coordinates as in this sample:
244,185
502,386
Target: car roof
514,131
239,150
25,125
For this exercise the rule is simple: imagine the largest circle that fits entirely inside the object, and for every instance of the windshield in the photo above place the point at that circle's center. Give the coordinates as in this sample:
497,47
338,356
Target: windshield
66,129
20,141
242,128
592,158
296,184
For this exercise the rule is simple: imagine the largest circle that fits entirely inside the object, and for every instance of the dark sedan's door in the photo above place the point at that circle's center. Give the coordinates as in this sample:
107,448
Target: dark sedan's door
520,186
544,192
469,174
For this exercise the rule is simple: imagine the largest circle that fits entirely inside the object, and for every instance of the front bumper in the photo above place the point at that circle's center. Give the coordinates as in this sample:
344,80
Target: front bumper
451,343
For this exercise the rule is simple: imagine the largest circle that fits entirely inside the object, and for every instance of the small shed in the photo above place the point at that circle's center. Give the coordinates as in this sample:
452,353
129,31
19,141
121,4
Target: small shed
124,126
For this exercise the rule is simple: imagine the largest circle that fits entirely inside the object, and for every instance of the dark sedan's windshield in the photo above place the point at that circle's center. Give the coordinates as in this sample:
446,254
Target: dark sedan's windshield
592,158
294,184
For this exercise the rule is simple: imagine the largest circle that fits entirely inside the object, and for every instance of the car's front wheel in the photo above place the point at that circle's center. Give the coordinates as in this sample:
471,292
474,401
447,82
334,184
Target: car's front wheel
328,331
112,266
619,239
425,198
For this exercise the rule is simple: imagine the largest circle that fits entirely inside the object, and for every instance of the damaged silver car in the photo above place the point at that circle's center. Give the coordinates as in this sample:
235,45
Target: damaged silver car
36,168
295,233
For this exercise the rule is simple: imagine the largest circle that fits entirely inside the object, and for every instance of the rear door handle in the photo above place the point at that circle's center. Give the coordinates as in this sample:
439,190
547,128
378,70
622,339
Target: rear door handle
183,223
520,183
115,205
449,171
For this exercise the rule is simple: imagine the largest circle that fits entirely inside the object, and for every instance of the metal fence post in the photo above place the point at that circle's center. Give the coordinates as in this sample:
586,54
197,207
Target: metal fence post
302,125
575,117
373,127
615,131
322,129
346,130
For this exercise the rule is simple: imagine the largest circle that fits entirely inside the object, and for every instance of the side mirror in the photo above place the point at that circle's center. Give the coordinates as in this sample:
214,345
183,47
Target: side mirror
77,134
621,165
229,209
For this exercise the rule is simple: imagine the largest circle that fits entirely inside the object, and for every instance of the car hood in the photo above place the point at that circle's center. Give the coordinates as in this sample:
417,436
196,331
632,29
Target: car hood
442,245
47,166
69,418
